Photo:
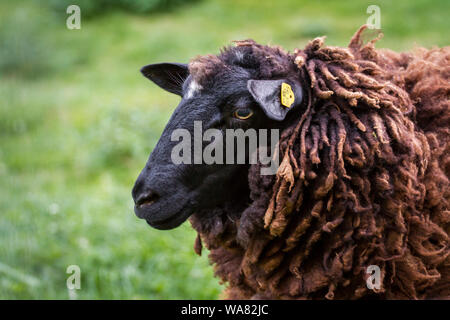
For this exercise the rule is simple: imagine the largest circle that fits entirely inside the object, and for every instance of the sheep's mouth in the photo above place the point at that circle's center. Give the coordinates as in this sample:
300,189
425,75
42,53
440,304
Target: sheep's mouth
165,212
170,222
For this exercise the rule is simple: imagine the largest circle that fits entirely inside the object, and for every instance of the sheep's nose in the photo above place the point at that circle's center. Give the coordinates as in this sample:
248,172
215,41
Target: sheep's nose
143,194
146,198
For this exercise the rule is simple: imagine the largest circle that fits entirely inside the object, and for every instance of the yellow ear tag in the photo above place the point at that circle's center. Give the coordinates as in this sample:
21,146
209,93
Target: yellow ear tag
287,95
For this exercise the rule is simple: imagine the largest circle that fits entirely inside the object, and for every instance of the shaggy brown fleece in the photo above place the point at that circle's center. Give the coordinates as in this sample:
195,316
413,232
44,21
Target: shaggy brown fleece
364,180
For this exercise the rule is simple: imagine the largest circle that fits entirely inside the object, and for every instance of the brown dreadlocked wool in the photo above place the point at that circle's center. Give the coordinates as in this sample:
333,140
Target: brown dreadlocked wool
364,180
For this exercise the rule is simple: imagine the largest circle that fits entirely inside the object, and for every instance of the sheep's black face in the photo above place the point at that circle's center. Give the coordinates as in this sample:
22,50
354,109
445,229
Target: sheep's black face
167,192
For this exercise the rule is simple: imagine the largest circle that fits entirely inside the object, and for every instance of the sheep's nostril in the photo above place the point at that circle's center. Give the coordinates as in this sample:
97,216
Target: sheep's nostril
147,199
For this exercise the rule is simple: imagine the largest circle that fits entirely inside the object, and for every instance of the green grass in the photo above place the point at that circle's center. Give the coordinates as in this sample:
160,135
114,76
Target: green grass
78,121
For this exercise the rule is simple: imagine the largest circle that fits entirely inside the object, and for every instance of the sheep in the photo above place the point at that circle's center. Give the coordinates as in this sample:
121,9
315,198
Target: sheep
363,179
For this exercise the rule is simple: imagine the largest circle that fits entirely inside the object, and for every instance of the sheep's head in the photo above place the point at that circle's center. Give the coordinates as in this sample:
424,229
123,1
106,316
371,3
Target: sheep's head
240,88
350,189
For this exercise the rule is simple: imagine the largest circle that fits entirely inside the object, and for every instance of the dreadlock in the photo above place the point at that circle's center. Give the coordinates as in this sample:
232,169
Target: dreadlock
363,181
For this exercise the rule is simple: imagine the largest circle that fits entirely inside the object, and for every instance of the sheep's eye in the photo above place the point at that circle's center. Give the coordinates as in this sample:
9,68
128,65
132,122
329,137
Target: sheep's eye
243,114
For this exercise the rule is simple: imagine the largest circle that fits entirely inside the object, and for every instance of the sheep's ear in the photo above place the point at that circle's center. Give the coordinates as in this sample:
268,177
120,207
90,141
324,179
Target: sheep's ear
276,97
169,76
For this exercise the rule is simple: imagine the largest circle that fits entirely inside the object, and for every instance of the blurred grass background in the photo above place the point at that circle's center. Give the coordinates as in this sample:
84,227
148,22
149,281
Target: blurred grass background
78,121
